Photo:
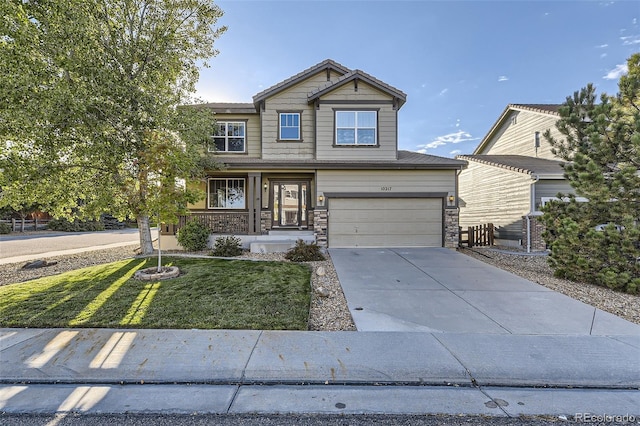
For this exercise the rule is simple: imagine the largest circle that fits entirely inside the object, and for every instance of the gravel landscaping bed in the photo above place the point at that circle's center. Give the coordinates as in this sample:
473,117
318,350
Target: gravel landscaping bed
535,268
329,311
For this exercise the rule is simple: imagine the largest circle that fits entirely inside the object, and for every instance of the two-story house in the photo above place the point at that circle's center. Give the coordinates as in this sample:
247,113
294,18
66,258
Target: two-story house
316,157
511,174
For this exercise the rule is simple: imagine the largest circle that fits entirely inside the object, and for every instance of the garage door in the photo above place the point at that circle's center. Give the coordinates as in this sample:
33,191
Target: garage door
385,222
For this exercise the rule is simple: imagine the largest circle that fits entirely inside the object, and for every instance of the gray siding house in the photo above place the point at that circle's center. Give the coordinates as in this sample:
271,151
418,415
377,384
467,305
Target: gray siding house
316,157
511,174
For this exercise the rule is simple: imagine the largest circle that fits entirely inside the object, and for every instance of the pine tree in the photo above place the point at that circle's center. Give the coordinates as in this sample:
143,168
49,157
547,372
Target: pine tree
601,147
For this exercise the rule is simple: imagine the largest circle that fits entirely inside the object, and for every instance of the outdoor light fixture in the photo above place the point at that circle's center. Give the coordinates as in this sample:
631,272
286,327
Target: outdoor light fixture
265,186
321,198
451,199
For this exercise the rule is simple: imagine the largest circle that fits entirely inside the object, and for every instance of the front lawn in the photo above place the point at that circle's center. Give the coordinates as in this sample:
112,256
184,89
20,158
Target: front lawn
210,294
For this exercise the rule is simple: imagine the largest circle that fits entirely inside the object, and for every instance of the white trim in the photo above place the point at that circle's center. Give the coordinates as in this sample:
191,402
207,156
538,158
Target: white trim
226,189
226,137
356,127
280,126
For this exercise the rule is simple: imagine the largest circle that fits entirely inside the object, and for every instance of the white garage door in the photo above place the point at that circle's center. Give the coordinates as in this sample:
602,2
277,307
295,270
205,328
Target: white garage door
385,222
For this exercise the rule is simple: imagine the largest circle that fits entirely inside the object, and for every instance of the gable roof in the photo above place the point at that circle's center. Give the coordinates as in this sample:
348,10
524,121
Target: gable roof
406,160
547,169
357,75
230,107
547,109
327,64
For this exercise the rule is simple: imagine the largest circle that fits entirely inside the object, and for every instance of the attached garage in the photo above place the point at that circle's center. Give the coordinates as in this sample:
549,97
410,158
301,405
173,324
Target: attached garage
385,222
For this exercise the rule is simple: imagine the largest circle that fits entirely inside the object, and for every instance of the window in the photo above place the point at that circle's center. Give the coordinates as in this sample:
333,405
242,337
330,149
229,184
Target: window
226,193
356,127
229,136
290,126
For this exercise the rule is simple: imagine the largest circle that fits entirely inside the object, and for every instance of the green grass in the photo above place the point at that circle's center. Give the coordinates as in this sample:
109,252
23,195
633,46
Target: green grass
212,294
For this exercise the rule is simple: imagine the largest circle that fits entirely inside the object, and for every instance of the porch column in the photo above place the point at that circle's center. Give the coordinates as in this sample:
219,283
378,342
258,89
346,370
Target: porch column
254,200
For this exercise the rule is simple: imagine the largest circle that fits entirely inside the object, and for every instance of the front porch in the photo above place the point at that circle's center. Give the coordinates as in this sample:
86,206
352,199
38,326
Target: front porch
259,239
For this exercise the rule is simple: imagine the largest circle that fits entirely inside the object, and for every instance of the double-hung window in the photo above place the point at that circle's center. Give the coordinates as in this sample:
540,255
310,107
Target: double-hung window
229,136
356,127
289,126
226,193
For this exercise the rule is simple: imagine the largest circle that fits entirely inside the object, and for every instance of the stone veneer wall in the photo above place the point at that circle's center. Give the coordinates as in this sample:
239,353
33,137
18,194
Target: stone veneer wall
320,226
265,221
537,228
451,227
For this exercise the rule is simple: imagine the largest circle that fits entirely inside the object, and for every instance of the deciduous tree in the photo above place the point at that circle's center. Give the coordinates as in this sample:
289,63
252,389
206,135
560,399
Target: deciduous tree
90,116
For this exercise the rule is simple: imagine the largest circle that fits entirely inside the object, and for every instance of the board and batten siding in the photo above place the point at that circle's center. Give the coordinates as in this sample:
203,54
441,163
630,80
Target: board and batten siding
516,136
346,98
385,181
494,195
293,99
252,135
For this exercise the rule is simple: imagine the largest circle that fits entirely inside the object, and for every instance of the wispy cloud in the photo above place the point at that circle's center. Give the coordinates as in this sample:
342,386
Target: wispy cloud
455,152
443,91
630,40
503,78
603,55
602,46
450,138
617,72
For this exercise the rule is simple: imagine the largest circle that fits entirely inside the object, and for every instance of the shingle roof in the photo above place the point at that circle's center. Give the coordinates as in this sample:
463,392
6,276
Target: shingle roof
406,160
544,108
326,64
520,163
231,108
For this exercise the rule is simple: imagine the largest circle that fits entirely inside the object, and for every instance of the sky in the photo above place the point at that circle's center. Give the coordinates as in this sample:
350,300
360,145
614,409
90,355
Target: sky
459,62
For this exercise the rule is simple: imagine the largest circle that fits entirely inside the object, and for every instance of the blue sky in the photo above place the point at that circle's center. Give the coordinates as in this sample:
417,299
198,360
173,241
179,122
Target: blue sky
459,62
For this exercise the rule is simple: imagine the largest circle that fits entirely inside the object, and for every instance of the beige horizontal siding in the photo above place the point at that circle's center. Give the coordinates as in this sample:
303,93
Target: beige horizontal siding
387,134
385,181
551,188
292,99
252,132
518,138
494,195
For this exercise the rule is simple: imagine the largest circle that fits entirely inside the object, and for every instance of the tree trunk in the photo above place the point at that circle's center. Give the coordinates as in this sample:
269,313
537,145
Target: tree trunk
146,243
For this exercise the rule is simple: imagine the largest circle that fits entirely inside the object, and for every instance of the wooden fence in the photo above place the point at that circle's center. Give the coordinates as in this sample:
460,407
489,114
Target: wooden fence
19,225
475,236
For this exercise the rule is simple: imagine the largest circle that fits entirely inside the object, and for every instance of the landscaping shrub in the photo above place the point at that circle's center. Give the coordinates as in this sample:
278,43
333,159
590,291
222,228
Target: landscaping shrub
227,247
5,228
304,252
193,236
76,226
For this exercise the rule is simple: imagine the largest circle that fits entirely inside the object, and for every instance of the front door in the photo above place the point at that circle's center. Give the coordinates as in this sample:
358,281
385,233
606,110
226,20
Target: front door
289,204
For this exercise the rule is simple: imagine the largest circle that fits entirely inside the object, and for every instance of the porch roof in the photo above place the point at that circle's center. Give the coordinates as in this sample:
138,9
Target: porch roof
405,160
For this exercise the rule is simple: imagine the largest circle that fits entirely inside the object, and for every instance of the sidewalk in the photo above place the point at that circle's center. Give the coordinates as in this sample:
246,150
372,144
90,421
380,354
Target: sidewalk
227,371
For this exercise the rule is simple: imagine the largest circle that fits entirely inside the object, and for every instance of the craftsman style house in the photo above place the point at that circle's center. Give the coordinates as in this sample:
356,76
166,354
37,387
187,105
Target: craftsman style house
316,157
511,174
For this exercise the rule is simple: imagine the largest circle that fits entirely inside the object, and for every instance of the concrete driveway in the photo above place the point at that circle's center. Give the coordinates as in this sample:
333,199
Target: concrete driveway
440,290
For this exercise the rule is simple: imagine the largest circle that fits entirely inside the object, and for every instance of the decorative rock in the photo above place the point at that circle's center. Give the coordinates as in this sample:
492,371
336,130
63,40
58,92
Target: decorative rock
38,264
152,274
321,272
322,292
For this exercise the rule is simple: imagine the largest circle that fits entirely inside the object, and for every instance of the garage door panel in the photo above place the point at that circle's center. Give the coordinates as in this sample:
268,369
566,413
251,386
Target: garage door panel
391,222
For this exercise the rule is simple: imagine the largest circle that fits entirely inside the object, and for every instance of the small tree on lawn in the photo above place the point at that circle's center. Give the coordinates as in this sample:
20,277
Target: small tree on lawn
601,144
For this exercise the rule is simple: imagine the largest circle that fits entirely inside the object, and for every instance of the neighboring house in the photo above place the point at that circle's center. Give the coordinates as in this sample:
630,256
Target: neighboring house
316,157
511,174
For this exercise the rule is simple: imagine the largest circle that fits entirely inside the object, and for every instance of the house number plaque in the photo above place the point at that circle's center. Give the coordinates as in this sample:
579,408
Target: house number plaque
385,188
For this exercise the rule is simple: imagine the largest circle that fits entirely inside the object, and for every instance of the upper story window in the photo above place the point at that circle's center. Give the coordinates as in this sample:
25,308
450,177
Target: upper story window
229,136
289,126
356,127
226,193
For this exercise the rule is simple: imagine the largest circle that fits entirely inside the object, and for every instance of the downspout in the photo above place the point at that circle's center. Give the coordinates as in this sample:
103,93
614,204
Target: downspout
531,211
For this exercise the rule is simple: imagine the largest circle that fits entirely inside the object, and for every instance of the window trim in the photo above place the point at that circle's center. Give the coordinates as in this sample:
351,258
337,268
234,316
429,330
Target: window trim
226,137
285,112
226,179
336,111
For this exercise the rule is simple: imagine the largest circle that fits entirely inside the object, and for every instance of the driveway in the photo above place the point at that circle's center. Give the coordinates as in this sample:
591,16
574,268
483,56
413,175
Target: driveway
21,248
440,290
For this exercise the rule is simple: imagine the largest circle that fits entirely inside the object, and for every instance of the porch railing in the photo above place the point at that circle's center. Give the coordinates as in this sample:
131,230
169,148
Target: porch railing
218,222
